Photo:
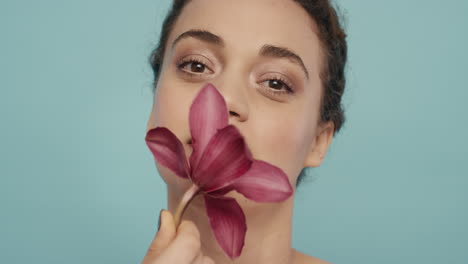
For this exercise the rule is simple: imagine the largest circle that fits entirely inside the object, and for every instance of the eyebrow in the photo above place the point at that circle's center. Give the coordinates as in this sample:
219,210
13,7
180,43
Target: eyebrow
280,52
267,50
202,35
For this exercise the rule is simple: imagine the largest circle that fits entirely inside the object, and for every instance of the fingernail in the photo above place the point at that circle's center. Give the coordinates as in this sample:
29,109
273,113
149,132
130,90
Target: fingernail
159,220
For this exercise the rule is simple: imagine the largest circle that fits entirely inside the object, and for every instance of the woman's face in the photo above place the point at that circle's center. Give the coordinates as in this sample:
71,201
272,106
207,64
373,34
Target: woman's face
248,46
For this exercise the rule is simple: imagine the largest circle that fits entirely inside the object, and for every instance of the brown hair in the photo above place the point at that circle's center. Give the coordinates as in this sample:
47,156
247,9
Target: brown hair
333,47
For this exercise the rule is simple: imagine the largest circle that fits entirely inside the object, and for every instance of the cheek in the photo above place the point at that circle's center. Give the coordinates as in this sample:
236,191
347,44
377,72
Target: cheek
284,141
171,108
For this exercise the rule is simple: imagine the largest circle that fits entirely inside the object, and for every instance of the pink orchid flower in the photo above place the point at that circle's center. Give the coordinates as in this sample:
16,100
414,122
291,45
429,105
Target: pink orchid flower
220,162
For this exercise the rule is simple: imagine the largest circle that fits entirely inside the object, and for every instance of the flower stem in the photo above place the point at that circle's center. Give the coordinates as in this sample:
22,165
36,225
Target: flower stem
188,196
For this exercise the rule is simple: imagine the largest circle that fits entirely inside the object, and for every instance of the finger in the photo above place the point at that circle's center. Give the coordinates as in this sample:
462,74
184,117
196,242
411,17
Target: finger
185,247
164,236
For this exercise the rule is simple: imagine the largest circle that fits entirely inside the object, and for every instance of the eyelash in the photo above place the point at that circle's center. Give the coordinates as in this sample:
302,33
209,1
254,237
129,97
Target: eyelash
184,62
289,87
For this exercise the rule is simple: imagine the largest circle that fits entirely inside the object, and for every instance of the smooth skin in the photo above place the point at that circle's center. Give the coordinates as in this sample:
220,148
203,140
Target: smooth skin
282,129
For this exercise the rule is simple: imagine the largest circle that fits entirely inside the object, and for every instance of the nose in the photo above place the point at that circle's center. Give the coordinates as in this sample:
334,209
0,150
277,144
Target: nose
235,95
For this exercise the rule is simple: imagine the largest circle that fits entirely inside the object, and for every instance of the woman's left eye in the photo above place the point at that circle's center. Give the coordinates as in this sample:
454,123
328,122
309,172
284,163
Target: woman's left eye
278,86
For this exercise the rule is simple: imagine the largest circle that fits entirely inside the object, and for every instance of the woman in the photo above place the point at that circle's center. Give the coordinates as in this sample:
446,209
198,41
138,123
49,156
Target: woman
279,64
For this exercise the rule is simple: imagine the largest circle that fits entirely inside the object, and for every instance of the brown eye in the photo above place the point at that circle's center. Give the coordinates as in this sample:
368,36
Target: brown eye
197,67
275,84
280,85
194,66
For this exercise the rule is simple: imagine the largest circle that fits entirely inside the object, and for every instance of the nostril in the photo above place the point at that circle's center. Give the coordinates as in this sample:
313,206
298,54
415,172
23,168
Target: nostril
189,142
233,113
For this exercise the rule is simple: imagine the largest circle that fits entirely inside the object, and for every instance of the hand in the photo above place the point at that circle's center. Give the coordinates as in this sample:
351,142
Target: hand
181,246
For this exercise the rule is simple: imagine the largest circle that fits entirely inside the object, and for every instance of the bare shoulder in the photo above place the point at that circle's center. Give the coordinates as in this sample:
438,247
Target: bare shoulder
302,258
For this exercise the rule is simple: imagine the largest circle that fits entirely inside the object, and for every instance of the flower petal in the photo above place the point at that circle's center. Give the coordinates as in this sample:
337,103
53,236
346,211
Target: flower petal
168,150
208,113
262,183
225,159
228,223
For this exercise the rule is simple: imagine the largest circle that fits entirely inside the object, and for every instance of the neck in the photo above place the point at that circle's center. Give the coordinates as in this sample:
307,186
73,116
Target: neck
268,238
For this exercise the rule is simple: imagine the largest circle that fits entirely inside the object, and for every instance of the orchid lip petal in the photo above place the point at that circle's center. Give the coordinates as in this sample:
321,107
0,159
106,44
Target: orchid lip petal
168,150
208,114
225,159
262,183
227,220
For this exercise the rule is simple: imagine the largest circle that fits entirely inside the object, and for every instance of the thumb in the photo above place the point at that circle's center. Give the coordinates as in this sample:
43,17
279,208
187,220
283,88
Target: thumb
164,236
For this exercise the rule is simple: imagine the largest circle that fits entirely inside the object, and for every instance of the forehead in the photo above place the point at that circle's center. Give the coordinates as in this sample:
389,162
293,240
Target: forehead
246,25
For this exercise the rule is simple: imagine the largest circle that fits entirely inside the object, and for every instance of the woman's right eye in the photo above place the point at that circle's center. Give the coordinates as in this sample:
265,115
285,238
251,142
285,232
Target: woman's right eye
195,67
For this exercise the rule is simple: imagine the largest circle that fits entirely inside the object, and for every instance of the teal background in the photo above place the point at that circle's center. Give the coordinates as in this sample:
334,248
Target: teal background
78,184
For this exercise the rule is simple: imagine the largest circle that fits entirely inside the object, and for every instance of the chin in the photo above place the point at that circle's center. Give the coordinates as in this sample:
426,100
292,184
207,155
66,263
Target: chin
175,184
